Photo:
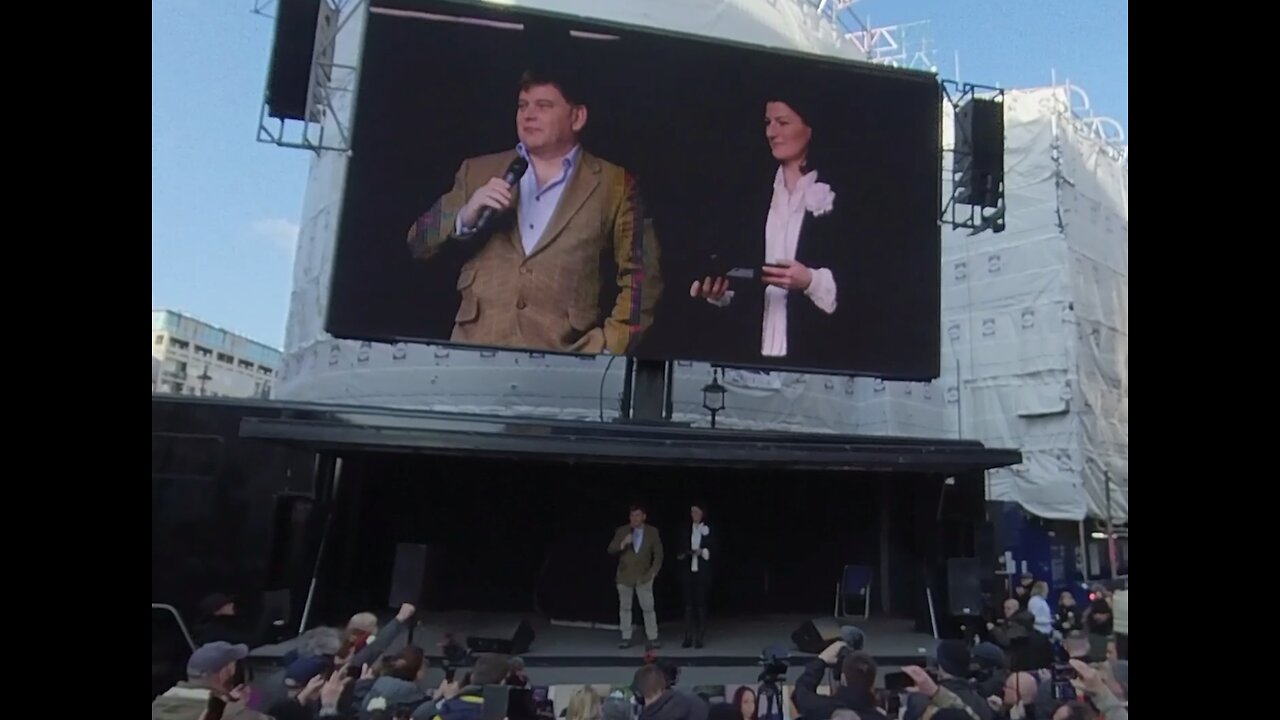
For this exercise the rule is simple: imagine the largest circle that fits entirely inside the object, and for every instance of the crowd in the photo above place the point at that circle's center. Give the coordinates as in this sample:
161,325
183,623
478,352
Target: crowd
1032,663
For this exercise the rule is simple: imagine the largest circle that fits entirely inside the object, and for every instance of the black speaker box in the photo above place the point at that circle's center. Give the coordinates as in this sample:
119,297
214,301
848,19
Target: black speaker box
979,152
815,635
511,638
964,586
289,74
417,576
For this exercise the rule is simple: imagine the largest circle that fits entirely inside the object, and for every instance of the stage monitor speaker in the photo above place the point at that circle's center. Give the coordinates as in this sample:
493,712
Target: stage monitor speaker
303,36
815,635
511,638
964,586
979,153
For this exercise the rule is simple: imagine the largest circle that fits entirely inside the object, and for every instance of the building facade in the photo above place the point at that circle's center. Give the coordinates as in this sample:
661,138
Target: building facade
196,358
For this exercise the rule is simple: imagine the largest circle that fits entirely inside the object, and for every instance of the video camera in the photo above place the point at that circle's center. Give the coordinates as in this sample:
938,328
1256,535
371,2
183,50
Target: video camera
775,661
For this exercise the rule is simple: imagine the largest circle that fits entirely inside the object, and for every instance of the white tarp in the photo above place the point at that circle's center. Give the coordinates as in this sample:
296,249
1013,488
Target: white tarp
1034,323
795,25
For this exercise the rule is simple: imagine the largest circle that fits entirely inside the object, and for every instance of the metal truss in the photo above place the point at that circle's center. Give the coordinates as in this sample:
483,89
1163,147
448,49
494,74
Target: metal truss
908,45
331,92
974,217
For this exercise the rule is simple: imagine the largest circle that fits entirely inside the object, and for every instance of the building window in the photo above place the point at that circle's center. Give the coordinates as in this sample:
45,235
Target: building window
204,352
225,358
265,371
179,344
176,387
160,339
246,365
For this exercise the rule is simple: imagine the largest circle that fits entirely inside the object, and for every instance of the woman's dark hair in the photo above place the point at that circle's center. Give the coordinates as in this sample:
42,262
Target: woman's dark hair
809,112
741,693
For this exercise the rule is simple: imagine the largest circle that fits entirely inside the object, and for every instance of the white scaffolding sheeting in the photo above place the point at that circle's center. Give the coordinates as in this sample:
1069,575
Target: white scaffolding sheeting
1034,331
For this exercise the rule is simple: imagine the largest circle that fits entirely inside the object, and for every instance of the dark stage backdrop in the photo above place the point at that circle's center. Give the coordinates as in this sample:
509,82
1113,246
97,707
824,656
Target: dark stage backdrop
531,536
686,118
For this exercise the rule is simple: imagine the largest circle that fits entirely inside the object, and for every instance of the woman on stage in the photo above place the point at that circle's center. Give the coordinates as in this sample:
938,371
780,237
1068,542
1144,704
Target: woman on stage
696,558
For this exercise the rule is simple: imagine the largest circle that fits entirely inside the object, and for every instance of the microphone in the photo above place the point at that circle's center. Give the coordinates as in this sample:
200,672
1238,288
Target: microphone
515,171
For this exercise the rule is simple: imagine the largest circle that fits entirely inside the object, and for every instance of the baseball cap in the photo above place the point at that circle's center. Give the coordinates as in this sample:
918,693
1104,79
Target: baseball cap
212,657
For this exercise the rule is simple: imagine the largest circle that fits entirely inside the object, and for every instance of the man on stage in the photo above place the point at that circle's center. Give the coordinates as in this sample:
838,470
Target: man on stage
533,275
639,551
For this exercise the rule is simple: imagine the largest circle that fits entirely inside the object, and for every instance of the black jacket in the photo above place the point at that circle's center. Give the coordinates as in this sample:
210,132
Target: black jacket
963,689
824,242
675,705
813,706
709,542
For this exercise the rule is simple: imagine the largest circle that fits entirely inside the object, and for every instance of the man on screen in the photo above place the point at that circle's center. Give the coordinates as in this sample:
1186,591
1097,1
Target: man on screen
534,275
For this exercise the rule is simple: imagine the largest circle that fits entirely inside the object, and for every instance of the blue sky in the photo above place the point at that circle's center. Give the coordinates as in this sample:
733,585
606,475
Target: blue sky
225,208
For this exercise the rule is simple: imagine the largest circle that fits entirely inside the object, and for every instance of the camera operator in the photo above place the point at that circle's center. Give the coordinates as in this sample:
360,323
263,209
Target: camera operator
855,690
662,702
953,675
933,701
1090,685
1055,686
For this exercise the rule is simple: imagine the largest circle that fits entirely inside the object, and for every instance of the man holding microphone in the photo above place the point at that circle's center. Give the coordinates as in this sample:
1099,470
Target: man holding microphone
639,551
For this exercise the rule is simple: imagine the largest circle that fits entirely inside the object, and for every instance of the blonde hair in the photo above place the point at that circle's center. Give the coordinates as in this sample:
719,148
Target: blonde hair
1040,588
366,622
584,704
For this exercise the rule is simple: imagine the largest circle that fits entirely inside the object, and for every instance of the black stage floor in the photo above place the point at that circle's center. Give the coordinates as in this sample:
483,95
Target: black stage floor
730,642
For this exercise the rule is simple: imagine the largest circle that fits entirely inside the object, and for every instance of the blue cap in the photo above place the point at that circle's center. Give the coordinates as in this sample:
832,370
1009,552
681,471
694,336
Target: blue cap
210,658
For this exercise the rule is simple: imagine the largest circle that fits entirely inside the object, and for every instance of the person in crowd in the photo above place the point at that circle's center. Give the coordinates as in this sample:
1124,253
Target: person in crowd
1022,591
1099,624
1028,650
999,629
584,704
1095,699
455,701
1016,699
1076,646
399,680
990,669
662,702
1038,606
614,708
744,701
856,689
1067,616
953,667
211,672
931,700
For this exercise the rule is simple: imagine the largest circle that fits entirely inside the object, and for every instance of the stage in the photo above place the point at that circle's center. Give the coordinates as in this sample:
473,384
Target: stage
562,654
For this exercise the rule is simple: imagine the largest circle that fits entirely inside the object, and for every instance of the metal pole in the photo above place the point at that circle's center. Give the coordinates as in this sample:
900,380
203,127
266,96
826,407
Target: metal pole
669,411
335,474
1111,531
1084,552
628,376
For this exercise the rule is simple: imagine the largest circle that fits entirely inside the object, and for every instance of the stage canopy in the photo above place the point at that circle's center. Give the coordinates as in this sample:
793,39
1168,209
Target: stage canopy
346,428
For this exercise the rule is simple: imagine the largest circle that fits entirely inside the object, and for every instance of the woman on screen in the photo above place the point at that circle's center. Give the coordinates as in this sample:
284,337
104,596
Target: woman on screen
790,298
